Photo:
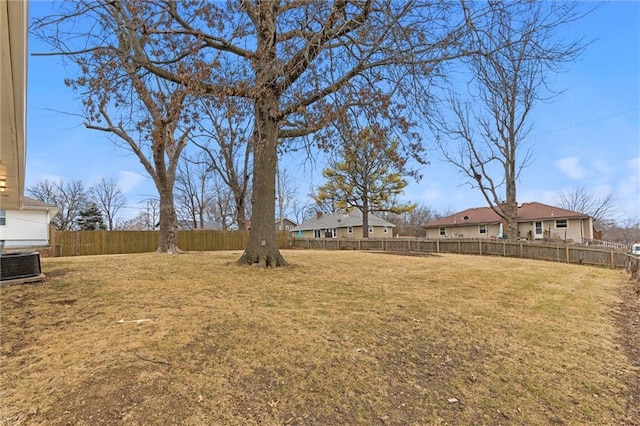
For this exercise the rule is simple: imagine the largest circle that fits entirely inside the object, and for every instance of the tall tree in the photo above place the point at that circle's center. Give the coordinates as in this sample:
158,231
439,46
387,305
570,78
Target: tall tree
69,197
144,113
491,127
584,201
90,218
108,197
366,174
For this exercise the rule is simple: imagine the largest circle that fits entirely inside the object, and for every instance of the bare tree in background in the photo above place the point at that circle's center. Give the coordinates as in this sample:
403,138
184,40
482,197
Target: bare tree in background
285,194
192,191
222,207
411,223
69,197
490,129
224,132
108,197
600,208
146,114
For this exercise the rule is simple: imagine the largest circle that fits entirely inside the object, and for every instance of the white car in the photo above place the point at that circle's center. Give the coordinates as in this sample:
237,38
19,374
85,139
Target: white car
635,249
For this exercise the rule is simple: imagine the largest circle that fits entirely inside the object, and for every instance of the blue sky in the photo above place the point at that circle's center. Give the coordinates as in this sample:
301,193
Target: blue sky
587,137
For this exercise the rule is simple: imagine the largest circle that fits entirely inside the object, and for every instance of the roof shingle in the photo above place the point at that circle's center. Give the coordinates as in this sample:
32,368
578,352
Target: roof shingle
485,215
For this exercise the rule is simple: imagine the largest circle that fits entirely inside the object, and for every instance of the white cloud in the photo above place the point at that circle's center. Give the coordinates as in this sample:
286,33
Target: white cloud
634,164
571,167
127,181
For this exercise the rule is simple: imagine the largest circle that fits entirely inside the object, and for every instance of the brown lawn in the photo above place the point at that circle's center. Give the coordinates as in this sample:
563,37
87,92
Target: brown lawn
338,338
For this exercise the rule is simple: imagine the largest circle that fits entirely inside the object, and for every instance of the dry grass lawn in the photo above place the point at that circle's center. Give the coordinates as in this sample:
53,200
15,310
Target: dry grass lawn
337,338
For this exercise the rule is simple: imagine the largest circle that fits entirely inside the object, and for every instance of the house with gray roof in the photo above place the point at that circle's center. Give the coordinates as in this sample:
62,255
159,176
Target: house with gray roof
343,225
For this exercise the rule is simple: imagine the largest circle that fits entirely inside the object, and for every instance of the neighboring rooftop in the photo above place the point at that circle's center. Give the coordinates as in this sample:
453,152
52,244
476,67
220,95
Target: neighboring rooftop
31,202
485,215
340,220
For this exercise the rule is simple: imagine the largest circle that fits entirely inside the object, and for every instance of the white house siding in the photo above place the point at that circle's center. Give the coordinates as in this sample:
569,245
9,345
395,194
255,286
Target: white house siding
469,231
577,230
26,228
378,232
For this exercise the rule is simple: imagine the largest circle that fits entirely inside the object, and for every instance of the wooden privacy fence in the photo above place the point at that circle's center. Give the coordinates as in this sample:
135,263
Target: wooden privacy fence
81,243
554,252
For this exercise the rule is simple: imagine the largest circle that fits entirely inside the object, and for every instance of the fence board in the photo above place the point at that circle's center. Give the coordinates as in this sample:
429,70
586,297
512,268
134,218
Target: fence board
551,252
82,243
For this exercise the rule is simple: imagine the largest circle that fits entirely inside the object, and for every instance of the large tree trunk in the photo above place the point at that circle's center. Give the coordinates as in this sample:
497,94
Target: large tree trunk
241,217
168,239
365,218
511,206
262,248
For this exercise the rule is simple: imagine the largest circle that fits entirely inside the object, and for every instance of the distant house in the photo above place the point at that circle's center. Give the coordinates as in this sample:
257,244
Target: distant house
536,221
247,226
285,224
28,226
343,225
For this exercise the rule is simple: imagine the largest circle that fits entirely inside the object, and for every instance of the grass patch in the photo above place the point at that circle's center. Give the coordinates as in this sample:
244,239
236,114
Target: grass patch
337,338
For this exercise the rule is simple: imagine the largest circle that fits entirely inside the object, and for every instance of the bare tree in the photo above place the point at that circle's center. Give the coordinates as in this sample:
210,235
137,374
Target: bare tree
145,220
70,198
411,223
144,113
192,191
108,197
491,127
285,194
581,200
225,128
222,208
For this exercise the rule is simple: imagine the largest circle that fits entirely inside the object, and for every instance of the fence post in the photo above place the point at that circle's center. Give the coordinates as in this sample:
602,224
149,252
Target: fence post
521,251
437,246
612,257
504,248
567,253
480,246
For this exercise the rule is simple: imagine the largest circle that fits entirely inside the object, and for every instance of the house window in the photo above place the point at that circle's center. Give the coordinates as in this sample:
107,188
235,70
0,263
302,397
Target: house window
561,223
443,231
3,217
385,230
317,233
350,230
482,229
371,229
